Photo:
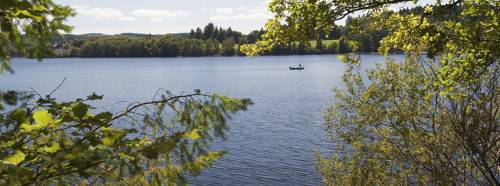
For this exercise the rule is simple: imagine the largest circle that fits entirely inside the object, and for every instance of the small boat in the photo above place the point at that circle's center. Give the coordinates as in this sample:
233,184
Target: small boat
296,68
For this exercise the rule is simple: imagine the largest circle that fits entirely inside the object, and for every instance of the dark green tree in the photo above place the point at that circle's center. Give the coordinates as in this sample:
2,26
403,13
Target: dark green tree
192,34
319,46
208,31
199,33
344,46
228,47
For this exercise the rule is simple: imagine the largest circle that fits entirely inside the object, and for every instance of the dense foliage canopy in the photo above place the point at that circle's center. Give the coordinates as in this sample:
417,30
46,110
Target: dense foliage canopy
429,119
27,26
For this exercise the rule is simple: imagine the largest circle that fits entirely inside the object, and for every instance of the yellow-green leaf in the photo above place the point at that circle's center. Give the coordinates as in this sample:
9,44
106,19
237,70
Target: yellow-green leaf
27,14
111,136
123,155
16,158
38,7
25,127
52,149
42,117
109,141
194,134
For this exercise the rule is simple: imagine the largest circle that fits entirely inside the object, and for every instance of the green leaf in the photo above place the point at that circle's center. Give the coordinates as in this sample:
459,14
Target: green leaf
194,134
19,115
104,116
16,159
27,14
80,110
38,7
52,149
111,136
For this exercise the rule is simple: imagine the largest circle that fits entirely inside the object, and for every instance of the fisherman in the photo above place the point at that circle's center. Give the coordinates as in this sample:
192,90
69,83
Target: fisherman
300,65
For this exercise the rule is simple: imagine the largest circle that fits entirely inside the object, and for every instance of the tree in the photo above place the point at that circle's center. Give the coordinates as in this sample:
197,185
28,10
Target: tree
208,31
396,128
332,48
319,46
430,119
335,33
199,33
45,141
215,34
26,28
228,47
192,34
222,34
365,42
301,48
343,46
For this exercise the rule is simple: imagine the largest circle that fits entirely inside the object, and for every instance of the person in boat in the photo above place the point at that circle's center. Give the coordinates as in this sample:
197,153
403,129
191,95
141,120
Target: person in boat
300,65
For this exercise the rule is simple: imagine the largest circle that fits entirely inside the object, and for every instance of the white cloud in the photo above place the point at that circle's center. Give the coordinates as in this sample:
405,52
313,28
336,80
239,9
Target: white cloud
224,10
152,15
102,13
158,15
258,13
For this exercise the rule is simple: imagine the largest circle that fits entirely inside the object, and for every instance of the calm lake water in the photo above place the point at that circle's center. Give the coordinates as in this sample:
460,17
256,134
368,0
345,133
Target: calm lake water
271,144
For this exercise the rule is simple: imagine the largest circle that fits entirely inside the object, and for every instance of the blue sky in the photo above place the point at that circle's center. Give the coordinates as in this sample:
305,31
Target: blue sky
166,16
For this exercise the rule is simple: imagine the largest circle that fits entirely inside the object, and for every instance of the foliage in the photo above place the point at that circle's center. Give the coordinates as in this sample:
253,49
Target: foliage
398,129
228,47
431,119
26,27
166,46
344,46
69,142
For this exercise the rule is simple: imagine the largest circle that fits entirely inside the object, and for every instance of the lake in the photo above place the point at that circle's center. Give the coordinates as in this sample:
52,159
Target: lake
271,144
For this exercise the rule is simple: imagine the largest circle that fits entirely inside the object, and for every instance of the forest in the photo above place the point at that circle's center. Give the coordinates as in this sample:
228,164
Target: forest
209,41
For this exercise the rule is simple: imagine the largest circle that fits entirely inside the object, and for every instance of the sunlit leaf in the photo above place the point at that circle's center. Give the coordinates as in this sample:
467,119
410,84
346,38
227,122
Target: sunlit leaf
194,134
53,148
42,117
16,158
27,14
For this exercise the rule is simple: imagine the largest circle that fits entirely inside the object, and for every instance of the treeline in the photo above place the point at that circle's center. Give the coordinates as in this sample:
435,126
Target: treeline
170,46
217,41
210,41
153,46
211,31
